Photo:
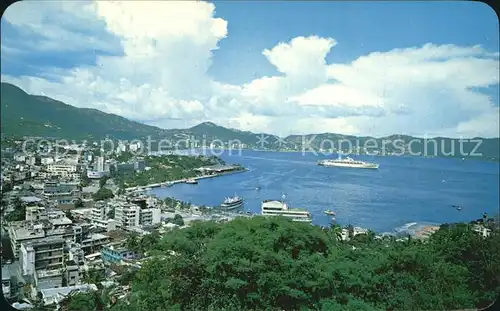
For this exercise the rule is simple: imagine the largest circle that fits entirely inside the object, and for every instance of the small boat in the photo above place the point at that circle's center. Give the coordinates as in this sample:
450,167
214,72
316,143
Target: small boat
191,181
458,207
232,203
329,212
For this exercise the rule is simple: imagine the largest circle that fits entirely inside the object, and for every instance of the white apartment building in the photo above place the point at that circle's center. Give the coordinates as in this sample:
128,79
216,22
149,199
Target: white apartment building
99,164
34,213
132,216
135,146
21,233
127,216
47,161
64,170
150,216
99,217
20,158
43,254
99,212
121,147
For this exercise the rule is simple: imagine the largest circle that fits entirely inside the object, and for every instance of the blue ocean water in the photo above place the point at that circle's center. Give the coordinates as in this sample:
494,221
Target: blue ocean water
403,192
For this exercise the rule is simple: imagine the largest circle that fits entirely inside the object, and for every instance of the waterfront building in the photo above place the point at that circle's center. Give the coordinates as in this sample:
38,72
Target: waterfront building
280,208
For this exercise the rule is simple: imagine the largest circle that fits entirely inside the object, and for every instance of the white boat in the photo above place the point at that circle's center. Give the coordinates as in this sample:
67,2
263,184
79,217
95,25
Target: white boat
232,203
347,162
329,212
191,181
280,208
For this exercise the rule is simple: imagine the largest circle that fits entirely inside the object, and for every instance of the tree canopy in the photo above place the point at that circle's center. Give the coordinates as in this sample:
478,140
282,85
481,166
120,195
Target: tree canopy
103,194
275,264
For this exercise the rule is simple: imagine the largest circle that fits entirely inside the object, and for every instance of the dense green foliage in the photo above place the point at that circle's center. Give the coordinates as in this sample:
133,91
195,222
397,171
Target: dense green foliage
79,203
275,264
103,181
173,204
103,194
123,156
82,302
19,212
176,220
165,168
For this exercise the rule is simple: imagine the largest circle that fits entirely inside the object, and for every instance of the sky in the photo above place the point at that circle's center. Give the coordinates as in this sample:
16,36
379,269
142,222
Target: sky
361,68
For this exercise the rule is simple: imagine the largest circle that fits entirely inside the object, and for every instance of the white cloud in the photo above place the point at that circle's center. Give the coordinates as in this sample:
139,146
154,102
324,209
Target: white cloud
57,26
167,50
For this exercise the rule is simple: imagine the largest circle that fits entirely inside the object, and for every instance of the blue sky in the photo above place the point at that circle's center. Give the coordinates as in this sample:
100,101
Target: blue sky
45,46
360,28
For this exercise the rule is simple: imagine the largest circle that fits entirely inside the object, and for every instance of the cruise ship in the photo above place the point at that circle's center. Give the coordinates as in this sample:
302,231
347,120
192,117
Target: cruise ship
347,162
232,203
280,208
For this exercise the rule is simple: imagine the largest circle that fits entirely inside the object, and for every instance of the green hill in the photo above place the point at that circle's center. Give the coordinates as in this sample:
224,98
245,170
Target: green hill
30,115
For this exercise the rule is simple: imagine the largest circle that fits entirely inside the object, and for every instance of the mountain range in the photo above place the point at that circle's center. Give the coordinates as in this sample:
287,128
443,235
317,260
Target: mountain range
39,116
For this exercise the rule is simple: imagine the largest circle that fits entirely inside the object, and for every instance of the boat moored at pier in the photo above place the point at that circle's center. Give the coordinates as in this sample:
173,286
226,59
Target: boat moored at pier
232,203
280,208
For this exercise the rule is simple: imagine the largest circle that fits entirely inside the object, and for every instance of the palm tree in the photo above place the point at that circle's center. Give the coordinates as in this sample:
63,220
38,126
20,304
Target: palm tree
132,242
336,230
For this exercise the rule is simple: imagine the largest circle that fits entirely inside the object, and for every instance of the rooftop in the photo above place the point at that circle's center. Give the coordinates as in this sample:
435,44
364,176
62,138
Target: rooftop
30,199
25,233
47,240
95,237
48,273
51,293
61,221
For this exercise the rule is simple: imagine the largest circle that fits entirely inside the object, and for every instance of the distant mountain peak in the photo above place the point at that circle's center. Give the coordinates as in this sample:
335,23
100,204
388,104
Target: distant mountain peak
207,123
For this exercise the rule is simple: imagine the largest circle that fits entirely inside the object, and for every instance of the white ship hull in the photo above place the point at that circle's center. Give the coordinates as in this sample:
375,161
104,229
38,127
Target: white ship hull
349,165
231,206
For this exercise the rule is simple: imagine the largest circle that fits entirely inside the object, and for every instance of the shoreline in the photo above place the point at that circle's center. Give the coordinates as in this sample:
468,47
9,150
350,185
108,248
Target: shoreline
330,153
178,181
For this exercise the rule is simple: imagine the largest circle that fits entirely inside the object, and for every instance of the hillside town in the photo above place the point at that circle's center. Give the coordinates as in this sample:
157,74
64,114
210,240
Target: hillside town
67,225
